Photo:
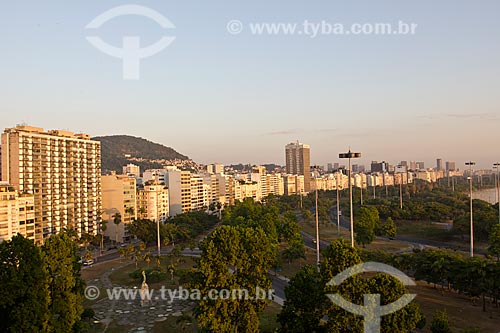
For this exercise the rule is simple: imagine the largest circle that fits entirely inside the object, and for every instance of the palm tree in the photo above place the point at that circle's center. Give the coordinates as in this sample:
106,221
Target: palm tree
142,211
103,225
129,211
117,219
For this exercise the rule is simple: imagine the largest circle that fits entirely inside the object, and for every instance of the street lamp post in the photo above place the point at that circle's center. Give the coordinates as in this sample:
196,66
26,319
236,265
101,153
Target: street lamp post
470,164
361,188
350,155
338,203
497,166
401,192
158,225
317,230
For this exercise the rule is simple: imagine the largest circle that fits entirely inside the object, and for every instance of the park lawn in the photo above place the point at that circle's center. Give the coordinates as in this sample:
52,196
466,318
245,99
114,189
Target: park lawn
268,322
462,313
329,232
95,271
269,318
289,269
387,245
426,230
120,277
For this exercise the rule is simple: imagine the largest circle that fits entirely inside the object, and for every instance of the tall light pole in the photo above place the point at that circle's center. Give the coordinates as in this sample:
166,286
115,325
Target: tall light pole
470,164
497,166
158,225
350,155
338,203
361,188
401,192
317,231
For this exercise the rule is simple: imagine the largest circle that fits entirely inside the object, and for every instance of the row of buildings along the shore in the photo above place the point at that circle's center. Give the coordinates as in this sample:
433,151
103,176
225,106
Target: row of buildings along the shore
52,180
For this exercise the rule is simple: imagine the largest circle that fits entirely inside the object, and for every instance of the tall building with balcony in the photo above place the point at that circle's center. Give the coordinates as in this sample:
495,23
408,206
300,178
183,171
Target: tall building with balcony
198,193
118,196
152,202
62,170
298,162
132,170
171,176
17,213
186,191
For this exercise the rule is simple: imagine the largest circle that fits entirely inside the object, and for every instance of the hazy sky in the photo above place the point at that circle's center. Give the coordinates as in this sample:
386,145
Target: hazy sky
240,98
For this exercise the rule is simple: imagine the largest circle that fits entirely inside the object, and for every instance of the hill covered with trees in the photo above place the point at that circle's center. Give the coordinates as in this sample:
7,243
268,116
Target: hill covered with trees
119,150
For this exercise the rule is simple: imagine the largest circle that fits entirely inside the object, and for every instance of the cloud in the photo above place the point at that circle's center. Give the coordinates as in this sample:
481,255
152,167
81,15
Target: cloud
283,132
471,116
481,116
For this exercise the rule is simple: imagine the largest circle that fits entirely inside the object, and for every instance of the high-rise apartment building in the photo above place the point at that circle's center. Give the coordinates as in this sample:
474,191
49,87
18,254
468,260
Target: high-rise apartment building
450,166
62,170
215,168
439,164
186,191
118,196
132,170
298,162
17,213
171,176
152,202
379,167
198,193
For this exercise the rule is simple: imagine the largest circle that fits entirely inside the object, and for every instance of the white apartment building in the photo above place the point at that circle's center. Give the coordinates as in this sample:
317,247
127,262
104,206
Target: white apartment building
17,214
171,176
152,201
198,193
132,170
62,170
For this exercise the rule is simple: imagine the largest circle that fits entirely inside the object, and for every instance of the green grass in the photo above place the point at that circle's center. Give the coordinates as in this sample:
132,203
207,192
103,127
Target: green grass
289,269
269,317
329,232
121,276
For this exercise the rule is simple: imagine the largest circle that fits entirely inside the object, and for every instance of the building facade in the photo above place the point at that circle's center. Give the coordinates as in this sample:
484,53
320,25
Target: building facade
298,161
17,213
118,196
152,202
62,170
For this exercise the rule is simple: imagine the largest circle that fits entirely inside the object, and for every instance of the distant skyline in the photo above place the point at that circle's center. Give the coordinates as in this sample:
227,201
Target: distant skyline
225,98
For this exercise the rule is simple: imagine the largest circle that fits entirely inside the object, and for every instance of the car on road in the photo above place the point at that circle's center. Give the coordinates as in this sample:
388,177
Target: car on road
88,262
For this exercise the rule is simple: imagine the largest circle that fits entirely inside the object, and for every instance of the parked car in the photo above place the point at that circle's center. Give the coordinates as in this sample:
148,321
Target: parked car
88,262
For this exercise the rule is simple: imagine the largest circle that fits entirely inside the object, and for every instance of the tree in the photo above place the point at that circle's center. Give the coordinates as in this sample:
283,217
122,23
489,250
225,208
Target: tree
117,219
103,225
233,258
366,222
301,312
390,228
24,293
294,250
494,239
145,230
308,306
129,211
65,284
440,323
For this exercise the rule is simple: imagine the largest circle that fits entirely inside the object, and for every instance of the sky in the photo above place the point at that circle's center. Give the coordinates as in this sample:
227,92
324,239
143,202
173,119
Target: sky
231,98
